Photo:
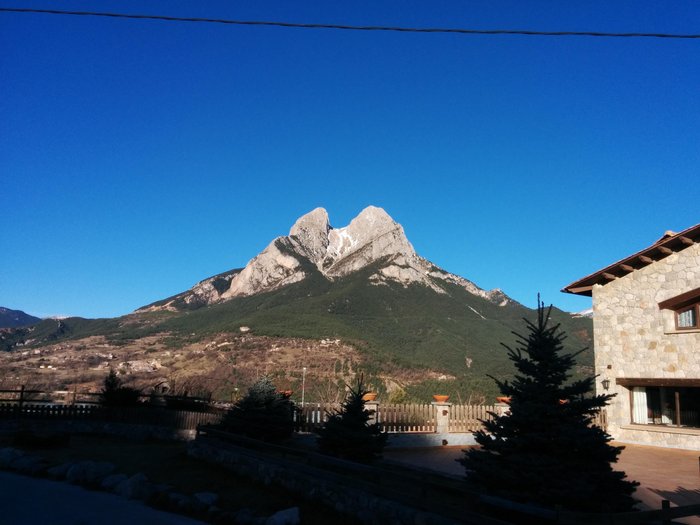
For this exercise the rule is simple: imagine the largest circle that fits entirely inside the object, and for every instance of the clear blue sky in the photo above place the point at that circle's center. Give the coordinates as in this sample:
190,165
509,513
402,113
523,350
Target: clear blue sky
137,158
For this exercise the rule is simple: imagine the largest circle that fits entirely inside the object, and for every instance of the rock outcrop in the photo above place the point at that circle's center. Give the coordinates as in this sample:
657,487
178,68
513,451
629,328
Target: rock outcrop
313,245
311,234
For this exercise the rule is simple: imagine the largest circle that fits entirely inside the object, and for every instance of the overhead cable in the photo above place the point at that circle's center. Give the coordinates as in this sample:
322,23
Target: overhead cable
519,32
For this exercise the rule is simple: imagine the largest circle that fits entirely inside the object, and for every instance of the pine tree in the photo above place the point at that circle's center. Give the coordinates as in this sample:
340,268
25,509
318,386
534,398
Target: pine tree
115,394
348,434
546,449
263,413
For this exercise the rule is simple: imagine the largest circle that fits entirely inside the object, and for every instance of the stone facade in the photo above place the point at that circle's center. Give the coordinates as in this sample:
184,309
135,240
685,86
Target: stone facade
635,338
367,492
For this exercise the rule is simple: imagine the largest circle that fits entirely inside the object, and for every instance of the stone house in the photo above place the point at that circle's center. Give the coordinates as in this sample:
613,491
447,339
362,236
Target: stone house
646,326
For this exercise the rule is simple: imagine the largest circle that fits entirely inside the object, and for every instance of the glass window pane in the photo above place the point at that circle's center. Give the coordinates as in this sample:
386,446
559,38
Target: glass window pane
690,406
687,318
654,405
639,405
667,406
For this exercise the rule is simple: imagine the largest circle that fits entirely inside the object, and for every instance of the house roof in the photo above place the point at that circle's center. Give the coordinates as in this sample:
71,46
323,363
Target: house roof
669,243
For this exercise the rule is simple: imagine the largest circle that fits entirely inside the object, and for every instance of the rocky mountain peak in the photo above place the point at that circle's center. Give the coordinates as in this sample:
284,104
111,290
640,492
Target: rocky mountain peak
372,216
314,222
311,233
371,237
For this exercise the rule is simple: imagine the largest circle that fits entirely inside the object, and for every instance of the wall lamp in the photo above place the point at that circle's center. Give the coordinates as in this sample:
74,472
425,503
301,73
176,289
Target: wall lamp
606,383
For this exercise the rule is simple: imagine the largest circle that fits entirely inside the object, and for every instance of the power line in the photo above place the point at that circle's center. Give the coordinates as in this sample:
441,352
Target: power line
520,32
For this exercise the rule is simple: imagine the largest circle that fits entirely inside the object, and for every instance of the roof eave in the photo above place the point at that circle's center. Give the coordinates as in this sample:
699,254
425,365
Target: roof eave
664,247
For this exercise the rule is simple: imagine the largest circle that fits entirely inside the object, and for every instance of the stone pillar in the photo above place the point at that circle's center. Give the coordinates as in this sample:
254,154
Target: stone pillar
373,407
442,417
501,409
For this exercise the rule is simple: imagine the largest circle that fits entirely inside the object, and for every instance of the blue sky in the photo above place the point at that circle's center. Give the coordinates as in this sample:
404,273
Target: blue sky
137,158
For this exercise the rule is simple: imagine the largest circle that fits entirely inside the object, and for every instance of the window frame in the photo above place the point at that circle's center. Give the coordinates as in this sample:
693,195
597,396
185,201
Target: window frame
674,400
678,311
682,303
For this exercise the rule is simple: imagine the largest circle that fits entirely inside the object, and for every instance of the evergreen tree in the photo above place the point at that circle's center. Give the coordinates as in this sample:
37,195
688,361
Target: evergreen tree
545,449
263,413
115,394
348,434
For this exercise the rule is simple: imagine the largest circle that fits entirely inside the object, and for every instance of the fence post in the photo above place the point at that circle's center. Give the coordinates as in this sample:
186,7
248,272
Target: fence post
665,505
373,408
442,416
21,398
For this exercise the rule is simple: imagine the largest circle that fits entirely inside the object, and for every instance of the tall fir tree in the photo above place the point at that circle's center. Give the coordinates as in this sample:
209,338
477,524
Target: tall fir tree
348,433
546,449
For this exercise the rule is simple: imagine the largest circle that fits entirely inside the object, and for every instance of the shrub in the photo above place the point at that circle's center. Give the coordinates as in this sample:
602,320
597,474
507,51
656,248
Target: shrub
348,434
263,413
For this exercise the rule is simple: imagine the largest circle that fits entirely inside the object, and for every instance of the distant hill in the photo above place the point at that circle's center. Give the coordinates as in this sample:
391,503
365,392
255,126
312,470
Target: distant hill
455,333
413,324
14,318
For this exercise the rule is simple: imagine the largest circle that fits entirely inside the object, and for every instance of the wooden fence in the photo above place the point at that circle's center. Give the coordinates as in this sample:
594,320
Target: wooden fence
143,415
401,418
466,418
406,418
313,415
25,395
601,419
187,413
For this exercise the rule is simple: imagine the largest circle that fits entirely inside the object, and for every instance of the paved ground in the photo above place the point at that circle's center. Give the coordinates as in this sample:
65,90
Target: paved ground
663,473
34,501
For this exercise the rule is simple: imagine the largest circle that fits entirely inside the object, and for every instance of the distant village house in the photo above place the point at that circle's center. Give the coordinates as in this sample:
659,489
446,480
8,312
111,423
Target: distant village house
646,324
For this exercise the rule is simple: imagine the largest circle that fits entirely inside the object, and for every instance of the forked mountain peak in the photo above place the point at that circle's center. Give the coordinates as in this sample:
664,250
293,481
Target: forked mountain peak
313,245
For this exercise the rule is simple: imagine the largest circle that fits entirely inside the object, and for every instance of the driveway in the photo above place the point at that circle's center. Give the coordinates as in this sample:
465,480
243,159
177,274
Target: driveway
663,473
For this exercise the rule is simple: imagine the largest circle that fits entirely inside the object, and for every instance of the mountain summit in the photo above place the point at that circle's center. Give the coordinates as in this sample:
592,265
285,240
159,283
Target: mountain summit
313,246
14,318
333,302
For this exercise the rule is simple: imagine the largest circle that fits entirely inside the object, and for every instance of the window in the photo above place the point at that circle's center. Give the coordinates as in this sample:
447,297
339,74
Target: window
666,405
687,317
686,308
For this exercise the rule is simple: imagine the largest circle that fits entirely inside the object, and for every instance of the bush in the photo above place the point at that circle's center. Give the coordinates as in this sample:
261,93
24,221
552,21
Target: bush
348,434
263,413
114,394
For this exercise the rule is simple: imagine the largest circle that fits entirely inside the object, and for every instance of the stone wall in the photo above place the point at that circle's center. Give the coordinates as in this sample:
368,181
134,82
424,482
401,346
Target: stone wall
128,431
363,495
635,339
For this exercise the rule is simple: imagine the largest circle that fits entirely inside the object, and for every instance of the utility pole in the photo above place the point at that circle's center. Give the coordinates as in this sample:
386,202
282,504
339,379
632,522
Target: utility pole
303,385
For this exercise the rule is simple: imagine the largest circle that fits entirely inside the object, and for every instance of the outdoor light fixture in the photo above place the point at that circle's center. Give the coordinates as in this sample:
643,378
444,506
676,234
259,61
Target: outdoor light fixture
606,383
